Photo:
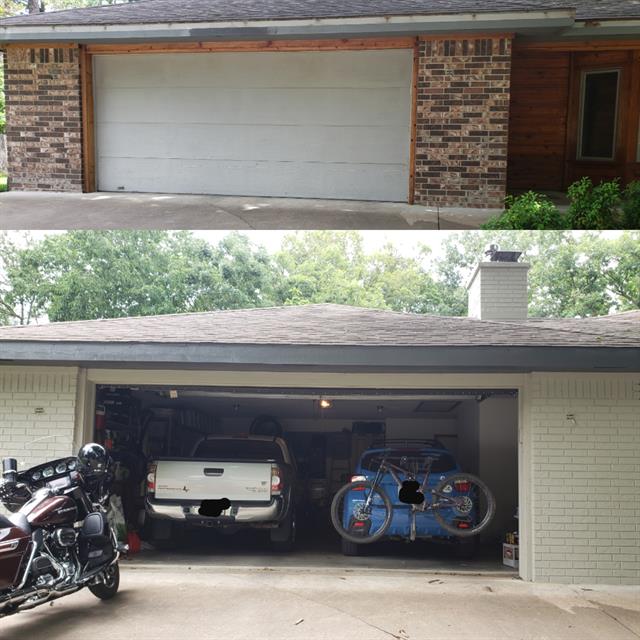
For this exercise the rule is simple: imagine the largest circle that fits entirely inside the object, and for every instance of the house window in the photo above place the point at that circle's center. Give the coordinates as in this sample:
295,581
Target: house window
598,115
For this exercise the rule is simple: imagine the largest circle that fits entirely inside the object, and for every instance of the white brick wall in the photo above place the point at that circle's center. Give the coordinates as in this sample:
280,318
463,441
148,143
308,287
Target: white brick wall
26,433
586,478
498,291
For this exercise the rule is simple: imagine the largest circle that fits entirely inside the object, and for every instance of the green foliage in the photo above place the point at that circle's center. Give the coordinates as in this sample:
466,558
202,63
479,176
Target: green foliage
81,275
528,211
572,274
332,266
631,206
593,207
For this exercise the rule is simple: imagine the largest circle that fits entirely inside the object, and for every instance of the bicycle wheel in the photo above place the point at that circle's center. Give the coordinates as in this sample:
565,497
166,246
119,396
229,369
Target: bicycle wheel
356,521
463,505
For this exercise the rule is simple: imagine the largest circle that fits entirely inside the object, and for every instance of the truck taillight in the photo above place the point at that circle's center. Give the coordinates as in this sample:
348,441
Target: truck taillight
276,479
358,479
151,478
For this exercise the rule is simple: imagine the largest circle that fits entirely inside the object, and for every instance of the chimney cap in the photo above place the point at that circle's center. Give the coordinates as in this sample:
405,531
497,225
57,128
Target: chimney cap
495,255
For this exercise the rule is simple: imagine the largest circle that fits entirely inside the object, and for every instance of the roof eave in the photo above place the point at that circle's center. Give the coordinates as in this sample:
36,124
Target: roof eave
489,358
512,22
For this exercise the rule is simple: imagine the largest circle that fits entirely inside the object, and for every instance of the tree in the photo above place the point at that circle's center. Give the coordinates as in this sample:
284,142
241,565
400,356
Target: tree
82,275
332,266
23,297
91,274
571,275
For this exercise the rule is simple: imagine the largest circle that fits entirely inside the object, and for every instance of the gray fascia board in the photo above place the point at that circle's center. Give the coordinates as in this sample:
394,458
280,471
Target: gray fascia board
552,25
437,358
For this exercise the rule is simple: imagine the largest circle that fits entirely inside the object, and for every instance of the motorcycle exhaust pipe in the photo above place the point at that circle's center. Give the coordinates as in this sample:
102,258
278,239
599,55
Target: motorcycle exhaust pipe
49,597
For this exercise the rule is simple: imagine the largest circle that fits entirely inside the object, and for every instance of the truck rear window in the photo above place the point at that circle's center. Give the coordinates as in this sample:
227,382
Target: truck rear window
415,462
239,450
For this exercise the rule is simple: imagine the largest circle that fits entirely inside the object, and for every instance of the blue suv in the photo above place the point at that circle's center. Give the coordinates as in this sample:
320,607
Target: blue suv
413,456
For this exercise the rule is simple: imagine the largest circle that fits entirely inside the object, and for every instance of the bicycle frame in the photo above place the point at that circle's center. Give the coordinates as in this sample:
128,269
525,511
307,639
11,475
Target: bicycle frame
393,469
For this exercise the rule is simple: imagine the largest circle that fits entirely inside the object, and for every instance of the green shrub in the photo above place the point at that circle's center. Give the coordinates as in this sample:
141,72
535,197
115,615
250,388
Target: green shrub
594,207
631,206
528,211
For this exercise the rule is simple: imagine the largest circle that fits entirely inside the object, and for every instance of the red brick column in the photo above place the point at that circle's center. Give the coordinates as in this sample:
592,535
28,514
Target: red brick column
462,122
44,122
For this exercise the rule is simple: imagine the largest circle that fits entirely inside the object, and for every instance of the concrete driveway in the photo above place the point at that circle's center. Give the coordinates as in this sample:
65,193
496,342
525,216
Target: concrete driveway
196,602
40,210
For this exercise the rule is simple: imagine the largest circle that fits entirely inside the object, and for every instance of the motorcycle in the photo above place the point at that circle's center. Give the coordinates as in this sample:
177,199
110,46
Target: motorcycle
57,539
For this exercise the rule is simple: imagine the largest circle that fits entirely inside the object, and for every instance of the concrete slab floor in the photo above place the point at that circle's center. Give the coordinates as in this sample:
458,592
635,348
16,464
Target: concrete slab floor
282,605
46,210
319,549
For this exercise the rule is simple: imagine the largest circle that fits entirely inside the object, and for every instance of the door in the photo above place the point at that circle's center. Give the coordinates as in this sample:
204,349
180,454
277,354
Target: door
330,124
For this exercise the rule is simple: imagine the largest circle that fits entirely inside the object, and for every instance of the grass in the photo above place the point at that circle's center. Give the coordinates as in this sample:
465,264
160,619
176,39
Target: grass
3,182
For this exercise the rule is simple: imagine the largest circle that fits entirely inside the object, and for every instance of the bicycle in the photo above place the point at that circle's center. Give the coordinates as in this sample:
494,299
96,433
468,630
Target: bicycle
462,504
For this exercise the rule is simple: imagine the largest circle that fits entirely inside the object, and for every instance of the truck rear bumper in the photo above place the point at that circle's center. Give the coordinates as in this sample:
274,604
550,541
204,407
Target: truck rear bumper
239,513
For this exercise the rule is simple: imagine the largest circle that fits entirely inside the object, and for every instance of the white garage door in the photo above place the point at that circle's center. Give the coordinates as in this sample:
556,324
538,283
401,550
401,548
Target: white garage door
310,124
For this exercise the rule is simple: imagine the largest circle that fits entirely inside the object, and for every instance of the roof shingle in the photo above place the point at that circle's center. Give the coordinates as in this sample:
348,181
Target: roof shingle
181,11
329,324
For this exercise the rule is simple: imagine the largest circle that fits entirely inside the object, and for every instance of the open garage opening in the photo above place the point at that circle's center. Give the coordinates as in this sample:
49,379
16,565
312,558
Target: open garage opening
330,437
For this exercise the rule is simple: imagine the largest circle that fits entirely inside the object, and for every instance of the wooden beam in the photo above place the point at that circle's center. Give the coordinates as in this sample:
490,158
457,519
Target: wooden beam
414,121
41,45
346,44
633,111
582,45
464,36
88,122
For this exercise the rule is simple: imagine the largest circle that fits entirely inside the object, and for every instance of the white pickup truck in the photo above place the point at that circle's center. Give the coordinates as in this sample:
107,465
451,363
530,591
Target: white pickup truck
228,482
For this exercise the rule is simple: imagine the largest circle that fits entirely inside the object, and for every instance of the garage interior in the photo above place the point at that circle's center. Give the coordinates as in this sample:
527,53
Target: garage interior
327,431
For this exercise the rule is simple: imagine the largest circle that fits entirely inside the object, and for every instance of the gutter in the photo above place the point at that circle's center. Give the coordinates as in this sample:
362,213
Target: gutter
318,27
437,358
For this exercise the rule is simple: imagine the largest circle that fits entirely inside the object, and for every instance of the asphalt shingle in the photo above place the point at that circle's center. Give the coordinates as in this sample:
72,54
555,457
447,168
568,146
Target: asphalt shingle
177,11
329,324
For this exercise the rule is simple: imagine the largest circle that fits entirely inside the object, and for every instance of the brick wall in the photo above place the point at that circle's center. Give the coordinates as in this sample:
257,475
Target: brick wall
499,291
37,406
586,478
462,122
44,127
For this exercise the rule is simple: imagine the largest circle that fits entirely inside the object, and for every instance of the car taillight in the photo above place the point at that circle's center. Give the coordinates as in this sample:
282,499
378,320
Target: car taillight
276,479
358,479
151,478
462,485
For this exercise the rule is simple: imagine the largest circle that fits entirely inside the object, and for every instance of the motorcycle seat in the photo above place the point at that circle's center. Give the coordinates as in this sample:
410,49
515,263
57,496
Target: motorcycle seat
15,520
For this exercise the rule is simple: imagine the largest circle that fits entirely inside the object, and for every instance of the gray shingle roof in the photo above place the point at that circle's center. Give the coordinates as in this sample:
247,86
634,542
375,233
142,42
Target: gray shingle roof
329,324
162,11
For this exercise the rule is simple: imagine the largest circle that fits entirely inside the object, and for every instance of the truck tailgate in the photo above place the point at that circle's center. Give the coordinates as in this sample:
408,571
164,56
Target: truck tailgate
212,480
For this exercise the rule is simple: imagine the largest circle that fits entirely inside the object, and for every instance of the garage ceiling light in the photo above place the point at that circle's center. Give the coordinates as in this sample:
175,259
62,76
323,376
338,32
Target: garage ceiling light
325,404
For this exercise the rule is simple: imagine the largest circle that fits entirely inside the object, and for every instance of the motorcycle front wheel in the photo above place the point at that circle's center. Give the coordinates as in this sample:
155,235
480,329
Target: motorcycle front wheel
108,588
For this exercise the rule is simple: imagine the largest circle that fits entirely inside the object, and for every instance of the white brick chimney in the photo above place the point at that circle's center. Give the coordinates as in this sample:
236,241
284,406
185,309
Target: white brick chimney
498,289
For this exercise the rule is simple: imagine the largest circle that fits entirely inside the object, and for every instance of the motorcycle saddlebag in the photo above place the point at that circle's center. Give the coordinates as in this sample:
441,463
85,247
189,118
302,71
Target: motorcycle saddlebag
96,547
14,546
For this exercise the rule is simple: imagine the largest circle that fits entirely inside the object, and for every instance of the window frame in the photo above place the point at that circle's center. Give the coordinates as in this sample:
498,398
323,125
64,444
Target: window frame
583,86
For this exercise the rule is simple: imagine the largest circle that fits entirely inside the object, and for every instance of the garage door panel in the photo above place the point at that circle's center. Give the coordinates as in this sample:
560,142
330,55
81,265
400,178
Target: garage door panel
273,179
240,106
271,69
363,144
310,124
